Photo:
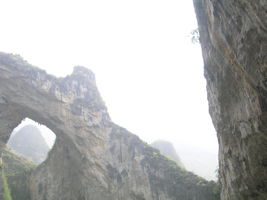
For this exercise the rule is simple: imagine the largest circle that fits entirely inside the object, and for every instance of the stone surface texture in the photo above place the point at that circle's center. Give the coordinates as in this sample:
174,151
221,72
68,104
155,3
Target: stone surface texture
92,159
233,37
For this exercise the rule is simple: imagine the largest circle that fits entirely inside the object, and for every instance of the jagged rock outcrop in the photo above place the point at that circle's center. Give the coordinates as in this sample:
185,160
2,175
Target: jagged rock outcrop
29,142
233,36
168,150
92,158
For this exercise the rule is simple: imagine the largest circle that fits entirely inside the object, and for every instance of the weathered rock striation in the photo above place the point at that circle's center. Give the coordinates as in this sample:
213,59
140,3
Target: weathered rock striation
92,158
233,36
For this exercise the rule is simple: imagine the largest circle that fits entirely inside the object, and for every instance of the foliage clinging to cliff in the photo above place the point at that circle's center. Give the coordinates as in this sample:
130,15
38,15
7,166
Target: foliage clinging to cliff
17,170
7,193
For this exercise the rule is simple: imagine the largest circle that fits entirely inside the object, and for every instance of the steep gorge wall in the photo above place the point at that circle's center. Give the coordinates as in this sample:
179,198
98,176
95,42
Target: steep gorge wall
233,36
92,158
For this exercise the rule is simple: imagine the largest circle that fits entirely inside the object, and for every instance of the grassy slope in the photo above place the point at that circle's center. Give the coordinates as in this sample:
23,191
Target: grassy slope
17,169
16,164
7,193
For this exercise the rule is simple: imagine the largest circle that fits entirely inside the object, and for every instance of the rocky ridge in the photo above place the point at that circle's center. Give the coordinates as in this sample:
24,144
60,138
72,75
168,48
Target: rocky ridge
92,158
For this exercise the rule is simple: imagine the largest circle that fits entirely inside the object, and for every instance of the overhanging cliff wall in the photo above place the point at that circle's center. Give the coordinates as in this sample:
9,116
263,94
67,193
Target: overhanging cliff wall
233,36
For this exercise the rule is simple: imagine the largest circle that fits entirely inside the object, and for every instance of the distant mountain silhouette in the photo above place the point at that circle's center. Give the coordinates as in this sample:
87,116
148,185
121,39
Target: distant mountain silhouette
29,142
167,149
198,160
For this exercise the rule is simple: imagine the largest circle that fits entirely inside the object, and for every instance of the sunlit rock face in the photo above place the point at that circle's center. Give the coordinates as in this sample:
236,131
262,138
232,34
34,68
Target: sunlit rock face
92,159
233,37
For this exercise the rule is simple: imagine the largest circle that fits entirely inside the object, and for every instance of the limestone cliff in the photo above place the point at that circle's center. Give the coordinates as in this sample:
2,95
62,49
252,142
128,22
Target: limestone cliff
92,159
233,36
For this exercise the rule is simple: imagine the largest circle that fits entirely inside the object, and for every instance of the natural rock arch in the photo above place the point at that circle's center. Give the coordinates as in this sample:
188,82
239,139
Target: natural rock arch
68,106
31,140
92,158
233,38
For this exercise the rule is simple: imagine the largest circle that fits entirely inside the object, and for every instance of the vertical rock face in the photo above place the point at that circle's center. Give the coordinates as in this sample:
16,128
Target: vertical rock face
92,158
233,36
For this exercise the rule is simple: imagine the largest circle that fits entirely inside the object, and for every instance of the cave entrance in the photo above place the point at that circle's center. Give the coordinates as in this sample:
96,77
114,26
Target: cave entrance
31,140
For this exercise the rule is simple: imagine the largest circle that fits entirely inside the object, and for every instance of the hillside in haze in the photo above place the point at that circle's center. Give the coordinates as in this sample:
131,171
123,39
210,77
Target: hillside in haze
167,149
29,142
195,159
198,160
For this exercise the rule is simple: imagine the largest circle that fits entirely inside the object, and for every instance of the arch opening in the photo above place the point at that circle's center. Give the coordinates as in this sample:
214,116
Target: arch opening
27,147
32,141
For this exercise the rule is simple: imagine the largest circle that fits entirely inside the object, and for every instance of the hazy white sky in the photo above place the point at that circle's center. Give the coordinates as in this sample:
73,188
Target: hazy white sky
149,73
48,135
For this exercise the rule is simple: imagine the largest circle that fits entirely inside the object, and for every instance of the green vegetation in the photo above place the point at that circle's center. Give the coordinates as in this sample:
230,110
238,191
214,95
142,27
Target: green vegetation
167,149
17,170
195,37
16,164
165,175
7,193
